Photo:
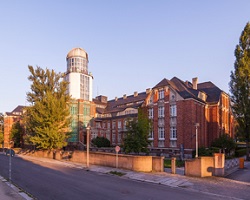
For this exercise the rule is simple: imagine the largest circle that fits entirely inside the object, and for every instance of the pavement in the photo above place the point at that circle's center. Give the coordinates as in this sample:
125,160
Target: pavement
218,186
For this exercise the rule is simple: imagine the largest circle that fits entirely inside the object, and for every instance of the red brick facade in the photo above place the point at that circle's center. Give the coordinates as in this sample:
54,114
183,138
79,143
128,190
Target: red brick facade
175,108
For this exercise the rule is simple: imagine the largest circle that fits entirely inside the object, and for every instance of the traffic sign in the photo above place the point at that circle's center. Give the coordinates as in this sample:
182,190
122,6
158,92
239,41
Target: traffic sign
117,148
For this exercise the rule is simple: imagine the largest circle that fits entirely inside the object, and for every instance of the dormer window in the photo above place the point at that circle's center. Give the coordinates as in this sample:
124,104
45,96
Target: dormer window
161,94
151,99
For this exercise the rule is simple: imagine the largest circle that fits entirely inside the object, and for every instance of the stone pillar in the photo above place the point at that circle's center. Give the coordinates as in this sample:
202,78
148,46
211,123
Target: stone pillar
173,165
219,164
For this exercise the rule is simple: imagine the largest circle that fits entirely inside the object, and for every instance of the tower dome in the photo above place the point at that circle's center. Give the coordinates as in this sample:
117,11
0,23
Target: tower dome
80,80
77,52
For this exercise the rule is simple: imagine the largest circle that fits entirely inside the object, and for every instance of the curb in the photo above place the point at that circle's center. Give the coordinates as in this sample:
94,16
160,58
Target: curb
16,189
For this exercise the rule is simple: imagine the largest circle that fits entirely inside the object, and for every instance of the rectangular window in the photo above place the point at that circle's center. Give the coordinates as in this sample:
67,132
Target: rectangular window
104,125
119,137
113,138
119,124
161,111
108,125
113,124
98,125
125,125
161,94
173,112
151,134
173,133
150,113
161,133
73,110
151,100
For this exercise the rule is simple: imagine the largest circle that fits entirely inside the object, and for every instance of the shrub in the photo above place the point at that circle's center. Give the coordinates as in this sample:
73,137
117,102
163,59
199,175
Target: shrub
240,152
101,142
179,163
224,142
202,151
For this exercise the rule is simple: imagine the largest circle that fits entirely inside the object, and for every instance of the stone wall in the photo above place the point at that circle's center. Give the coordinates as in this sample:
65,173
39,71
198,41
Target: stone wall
130,162
206,166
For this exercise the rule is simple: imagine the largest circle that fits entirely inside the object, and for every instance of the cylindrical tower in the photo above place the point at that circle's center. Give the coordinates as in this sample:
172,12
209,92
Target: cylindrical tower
80,80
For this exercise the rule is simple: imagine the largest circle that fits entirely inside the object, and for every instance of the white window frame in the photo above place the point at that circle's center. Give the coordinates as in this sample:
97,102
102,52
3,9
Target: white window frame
161,133
151,135
173,111
113,124
161,94
150,113
173,133
161,111
119,124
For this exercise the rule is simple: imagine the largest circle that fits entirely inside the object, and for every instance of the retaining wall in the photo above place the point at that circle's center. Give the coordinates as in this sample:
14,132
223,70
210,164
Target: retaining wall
130,162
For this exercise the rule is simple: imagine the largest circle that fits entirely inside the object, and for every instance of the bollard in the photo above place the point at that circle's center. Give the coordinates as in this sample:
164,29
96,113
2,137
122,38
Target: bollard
173,165
241,163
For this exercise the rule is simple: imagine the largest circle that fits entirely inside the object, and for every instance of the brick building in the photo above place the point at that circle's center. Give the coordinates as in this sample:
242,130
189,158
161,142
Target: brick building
9,119
176,108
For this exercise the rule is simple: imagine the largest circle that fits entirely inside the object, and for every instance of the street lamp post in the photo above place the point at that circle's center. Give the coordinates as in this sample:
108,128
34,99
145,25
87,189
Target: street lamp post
88,132
196,136
10,154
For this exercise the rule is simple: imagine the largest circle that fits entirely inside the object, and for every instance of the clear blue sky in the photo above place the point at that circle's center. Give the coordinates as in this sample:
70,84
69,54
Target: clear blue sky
132,44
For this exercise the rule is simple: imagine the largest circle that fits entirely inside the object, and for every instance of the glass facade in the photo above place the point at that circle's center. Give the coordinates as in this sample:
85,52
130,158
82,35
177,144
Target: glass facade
77,64
84,87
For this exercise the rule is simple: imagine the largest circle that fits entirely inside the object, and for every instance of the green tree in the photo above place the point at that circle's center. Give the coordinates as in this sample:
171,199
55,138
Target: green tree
136,139
1,128
224,142
48,117
240,85
17,134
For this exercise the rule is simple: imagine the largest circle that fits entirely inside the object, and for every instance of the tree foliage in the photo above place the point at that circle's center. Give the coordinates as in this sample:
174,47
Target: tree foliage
224,142
1,128
136,139
17,132
48,118
101,142
240,85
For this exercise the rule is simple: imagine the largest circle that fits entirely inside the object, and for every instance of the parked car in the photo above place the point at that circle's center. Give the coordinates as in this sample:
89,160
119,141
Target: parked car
10,151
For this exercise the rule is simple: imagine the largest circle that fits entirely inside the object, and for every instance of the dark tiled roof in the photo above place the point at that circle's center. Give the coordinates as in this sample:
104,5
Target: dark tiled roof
18,109
129,101
212,91
100,110
120,104
185,90
162,83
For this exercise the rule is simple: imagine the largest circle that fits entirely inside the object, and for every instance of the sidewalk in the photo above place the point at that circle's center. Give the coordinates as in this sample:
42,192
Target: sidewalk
10,192
221,187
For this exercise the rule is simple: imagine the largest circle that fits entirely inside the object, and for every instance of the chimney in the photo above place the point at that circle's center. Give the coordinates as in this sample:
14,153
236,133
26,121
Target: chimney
116,98
135,94
148,90
124,96
195,82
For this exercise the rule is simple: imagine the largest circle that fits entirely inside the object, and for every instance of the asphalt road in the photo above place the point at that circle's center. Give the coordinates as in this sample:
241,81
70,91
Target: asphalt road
48,180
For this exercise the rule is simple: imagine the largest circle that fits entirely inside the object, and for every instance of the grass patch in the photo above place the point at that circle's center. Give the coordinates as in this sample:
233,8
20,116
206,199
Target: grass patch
117,173
179,163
